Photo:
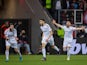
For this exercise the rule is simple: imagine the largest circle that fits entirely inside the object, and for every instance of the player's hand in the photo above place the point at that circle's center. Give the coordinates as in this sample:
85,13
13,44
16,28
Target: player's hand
83,27
46,40
7,38
54,22
16,38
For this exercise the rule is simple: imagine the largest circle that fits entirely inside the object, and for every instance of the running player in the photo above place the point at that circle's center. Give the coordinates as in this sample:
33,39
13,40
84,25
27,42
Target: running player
47,37
11,41
68,37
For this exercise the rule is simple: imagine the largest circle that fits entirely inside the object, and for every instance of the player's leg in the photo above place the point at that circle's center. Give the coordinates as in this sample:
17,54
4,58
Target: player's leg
43,48
68,51
17,50
65,46
19,46
64,49
7,51
55,48
44,51
51,41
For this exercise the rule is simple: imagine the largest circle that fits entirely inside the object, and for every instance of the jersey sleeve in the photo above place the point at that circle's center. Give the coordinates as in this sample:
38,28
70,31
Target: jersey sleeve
49,28
73,28
15,32
6,33
63,27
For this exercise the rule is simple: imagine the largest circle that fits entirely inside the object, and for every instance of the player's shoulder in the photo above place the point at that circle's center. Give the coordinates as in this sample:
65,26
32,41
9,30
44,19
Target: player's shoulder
63,26
7,29
15,29
41,27
47,24
72,27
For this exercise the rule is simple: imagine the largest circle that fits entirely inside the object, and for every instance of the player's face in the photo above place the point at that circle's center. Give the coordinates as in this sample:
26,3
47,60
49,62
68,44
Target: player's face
68,23
11,26
41,22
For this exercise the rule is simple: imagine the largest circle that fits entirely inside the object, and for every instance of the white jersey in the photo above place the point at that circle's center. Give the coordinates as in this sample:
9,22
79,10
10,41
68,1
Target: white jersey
46,30
11,35
68,32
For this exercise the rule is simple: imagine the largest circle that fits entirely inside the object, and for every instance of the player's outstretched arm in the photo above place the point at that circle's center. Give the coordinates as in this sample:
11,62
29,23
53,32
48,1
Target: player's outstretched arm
58,25
81,28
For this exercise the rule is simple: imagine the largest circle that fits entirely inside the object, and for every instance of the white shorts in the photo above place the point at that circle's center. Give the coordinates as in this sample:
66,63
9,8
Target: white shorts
13,45
67,43
50,41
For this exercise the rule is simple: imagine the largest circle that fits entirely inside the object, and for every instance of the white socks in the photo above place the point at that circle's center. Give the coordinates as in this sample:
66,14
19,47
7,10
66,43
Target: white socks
68,53
56,48
7,54
44,52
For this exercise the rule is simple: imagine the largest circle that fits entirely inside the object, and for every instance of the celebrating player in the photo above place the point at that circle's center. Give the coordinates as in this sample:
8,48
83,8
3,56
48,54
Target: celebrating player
47,37
68,37
11,41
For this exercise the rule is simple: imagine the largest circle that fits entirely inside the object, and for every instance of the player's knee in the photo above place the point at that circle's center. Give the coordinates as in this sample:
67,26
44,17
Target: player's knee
7,47
68,48
16,50
64,50
43,45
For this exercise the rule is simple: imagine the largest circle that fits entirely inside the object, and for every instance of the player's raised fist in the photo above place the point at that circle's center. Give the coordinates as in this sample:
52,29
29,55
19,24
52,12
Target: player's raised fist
16,38
53,21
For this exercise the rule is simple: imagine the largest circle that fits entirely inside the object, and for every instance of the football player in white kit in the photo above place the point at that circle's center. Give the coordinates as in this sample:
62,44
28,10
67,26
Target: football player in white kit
47,37
68,36
11,41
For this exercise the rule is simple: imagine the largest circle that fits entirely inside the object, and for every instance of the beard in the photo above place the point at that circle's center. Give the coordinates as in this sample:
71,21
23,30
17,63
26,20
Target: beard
41,24
11,29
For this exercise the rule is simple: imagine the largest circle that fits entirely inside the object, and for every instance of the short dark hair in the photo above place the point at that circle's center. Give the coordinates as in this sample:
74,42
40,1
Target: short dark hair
11,24
42,19
70,21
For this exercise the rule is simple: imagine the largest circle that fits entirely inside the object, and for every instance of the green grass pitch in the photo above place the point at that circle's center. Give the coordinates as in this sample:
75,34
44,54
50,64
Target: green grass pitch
51,60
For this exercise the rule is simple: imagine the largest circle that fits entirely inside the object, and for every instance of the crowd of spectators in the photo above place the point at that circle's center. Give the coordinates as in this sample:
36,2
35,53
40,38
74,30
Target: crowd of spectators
54,5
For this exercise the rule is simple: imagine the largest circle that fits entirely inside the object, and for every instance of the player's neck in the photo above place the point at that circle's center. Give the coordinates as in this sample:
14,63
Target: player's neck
67,26
44,24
